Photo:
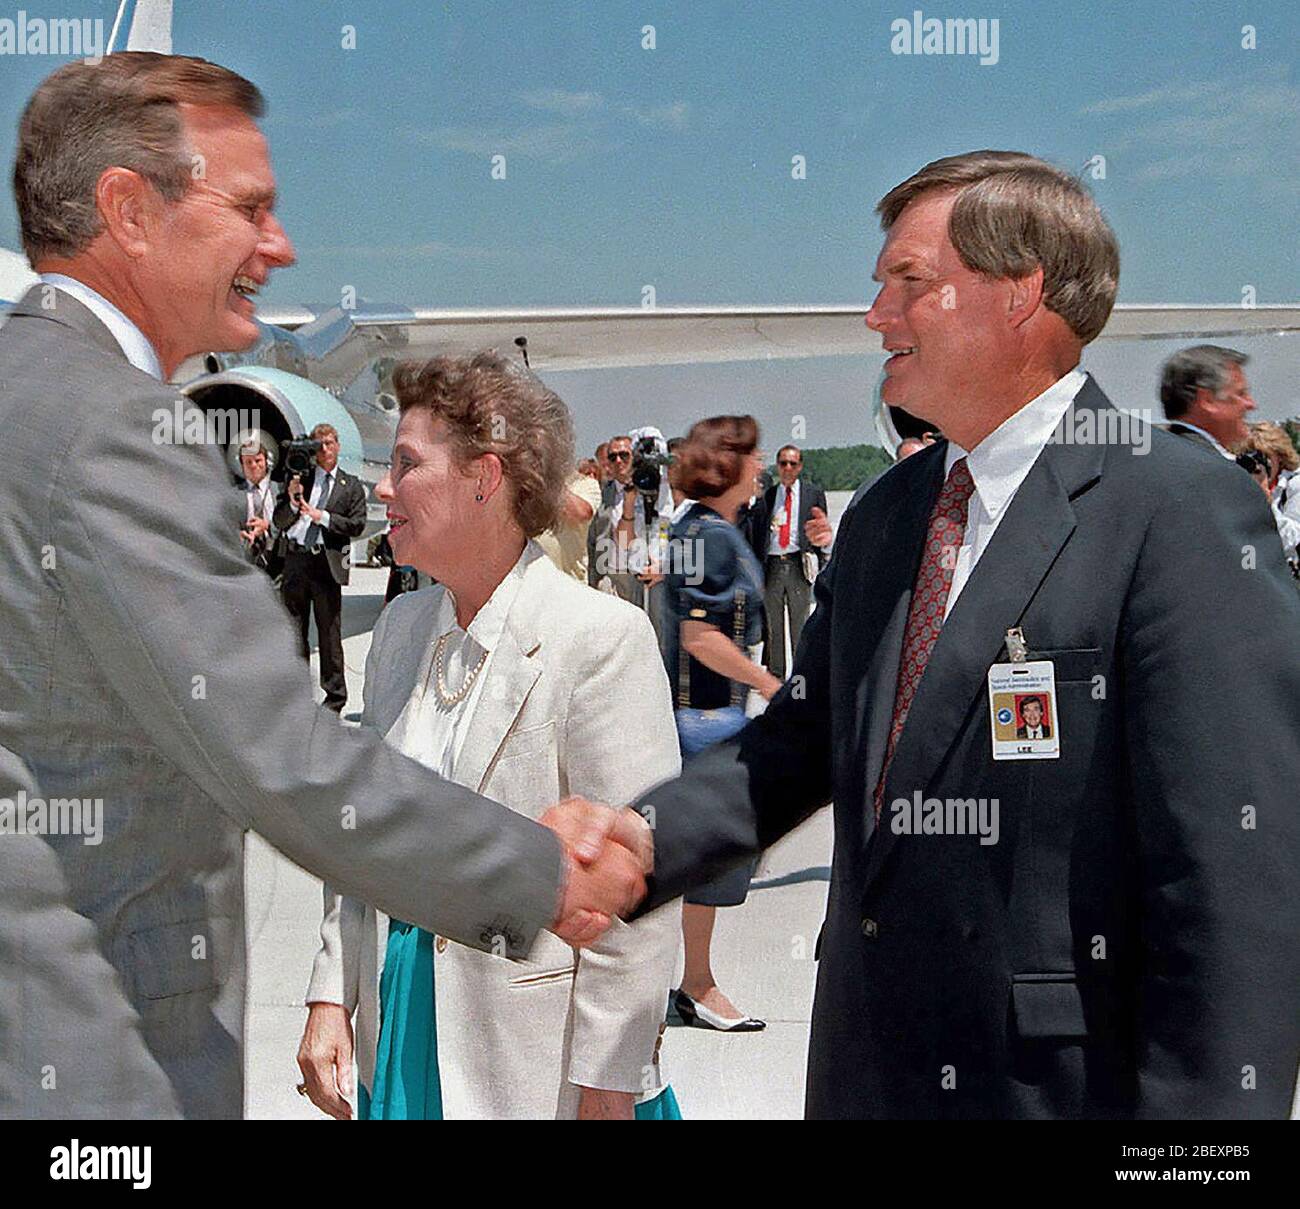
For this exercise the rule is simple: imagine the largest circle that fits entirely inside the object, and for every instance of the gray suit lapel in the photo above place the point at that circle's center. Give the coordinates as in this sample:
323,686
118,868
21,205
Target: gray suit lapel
51,303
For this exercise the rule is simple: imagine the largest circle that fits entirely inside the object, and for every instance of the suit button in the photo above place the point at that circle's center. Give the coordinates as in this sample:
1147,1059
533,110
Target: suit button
870,929
440,944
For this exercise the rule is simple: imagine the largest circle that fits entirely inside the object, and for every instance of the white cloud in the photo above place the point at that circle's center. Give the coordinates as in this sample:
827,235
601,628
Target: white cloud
429,250
554,143
567,104
1213,128
663,117
1168,94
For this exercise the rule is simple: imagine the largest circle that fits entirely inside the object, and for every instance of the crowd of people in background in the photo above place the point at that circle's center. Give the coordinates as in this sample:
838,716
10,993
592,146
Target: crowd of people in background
615,536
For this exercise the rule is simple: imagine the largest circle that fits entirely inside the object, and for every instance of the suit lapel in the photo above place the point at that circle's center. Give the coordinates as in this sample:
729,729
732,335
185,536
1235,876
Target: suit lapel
398,679
339,482
513,670
887,592
70,313
1038,523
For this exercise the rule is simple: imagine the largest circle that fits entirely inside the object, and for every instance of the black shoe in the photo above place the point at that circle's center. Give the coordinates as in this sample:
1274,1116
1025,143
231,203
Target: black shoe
698,1016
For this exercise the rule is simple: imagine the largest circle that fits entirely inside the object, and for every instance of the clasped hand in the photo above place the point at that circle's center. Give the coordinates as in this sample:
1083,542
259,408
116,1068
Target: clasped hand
608,855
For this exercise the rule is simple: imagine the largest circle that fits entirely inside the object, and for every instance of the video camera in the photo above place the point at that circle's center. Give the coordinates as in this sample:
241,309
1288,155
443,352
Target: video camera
298,456
648,462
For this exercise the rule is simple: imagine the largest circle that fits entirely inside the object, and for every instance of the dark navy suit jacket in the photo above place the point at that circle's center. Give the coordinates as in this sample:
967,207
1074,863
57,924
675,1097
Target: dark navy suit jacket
1127,948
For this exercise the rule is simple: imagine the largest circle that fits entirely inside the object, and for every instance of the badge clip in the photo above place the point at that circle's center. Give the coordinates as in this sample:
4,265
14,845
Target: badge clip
1017,651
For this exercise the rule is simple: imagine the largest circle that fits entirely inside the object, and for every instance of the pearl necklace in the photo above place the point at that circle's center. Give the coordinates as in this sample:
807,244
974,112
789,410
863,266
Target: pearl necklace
445,697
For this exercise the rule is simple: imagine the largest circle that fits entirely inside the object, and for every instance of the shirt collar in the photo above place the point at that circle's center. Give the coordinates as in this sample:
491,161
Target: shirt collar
490,621
1000,462
1209,436
139,352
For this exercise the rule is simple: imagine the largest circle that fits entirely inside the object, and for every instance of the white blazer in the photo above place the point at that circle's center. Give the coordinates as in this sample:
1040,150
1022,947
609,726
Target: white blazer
576,701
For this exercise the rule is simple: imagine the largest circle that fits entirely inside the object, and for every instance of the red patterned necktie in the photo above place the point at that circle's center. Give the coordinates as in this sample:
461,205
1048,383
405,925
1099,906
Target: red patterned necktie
929,598
783,536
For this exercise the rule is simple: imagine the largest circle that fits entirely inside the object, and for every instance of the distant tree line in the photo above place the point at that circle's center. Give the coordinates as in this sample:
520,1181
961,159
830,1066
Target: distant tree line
843,467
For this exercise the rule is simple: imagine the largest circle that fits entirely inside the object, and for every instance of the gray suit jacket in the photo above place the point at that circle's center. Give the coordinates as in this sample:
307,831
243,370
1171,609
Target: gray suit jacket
146,666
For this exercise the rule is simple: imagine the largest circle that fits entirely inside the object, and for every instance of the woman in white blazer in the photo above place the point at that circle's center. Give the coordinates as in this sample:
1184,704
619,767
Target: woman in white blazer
511,679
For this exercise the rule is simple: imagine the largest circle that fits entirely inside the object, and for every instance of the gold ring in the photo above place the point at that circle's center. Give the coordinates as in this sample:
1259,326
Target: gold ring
301,1089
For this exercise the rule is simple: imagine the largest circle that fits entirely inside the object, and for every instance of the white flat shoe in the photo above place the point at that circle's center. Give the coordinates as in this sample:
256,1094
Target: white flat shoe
699,1016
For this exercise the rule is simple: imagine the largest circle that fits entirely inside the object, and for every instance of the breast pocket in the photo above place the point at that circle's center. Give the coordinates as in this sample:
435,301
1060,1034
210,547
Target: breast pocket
1072,664
1047,1005
525,775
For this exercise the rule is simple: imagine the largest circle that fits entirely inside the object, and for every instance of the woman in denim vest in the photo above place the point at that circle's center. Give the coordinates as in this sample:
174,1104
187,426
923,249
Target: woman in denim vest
715,584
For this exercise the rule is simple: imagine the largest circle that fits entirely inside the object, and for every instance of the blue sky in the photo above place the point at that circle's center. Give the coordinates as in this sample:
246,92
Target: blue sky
672,167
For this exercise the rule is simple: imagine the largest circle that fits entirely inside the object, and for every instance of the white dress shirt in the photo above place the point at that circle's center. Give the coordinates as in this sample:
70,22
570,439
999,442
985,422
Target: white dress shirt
999,464
259,503
1209,436
634,557
139,352
321,485
774,545
429,730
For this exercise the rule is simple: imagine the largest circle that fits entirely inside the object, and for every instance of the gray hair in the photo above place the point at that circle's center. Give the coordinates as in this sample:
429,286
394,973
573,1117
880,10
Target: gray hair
122,112
493,404
1189,370
1015,213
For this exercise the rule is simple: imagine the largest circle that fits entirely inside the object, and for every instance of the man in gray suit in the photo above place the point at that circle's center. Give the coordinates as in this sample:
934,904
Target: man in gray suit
1206,398
153,708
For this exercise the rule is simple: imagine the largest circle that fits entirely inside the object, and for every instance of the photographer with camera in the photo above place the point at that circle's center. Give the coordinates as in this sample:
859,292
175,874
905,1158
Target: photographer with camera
631,529
321,510
258,532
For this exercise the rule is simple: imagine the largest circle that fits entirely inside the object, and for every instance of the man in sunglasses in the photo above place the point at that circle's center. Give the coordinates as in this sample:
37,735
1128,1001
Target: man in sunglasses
622,539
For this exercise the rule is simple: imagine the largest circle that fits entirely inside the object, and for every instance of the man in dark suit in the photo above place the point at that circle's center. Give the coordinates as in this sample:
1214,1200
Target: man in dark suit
257,532
320,518
1206,398
792,531
1126,945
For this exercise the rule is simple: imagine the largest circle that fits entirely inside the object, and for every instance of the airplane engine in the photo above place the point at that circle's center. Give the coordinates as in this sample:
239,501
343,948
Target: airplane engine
279,406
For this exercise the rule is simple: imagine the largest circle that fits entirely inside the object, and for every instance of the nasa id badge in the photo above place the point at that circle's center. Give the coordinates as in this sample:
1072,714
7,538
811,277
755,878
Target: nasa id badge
1022,711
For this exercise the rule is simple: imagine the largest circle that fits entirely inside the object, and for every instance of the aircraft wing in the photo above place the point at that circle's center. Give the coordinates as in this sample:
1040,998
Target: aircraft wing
601,338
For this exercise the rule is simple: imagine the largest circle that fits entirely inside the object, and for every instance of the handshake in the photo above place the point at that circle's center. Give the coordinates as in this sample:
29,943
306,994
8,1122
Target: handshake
608,854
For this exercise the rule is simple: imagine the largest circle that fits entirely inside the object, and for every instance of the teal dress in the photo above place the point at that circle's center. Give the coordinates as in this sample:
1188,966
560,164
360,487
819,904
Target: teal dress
406,1083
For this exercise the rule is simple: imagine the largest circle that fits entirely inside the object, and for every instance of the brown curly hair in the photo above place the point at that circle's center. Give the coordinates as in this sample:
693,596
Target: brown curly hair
713,456
492,404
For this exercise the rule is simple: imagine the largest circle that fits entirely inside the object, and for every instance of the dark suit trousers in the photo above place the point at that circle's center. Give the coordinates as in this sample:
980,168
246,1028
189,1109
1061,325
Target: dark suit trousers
308,588
786,589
